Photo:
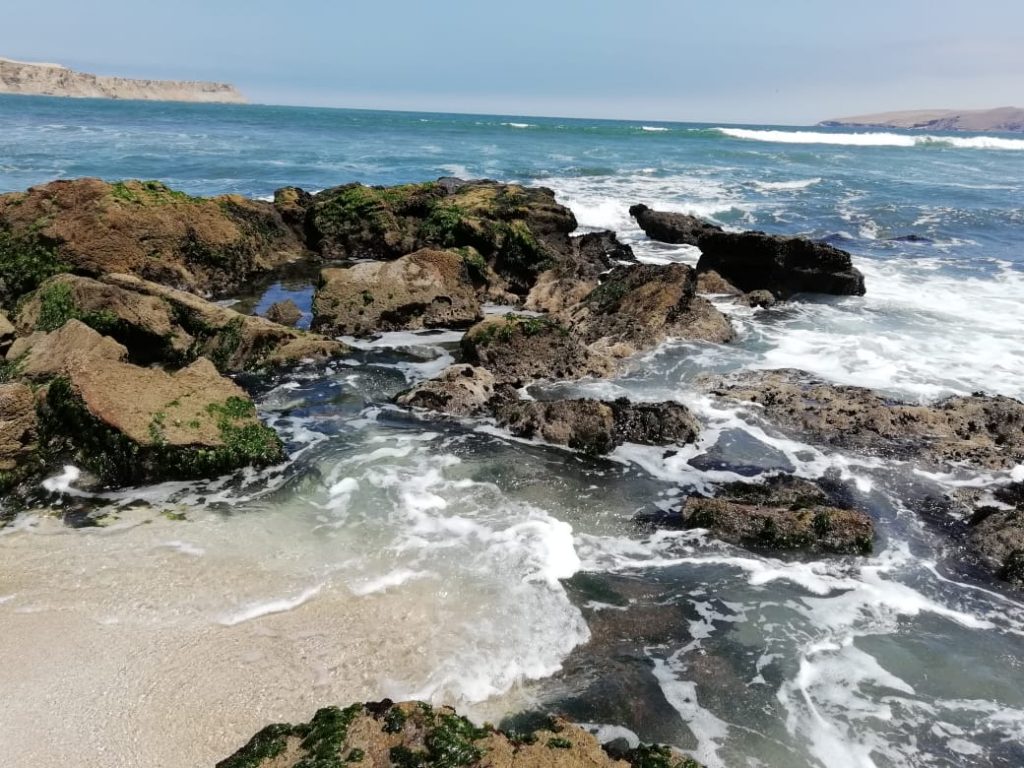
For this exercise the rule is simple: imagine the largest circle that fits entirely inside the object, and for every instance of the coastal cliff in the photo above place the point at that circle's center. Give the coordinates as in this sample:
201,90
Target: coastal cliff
1001,119
56,80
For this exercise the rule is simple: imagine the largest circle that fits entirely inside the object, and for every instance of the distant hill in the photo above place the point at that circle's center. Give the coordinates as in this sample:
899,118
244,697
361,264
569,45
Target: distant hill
1001,119
40,79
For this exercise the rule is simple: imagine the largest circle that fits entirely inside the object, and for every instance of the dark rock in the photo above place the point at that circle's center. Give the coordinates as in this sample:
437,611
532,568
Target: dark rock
996,534
986,431
595,427
783,265
285,312
7,334
911,239
782,514
675,228
762,299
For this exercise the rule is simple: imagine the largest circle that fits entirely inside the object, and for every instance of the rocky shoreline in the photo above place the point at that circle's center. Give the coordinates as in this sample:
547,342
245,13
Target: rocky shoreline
120,357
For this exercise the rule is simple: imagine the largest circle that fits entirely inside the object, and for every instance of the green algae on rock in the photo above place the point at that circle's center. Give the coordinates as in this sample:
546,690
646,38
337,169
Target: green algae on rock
417,735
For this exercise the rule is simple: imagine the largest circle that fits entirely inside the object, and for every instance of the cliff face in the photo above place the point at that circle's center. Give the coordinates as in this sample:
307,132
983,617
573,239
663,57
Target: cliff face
1001,119
55,80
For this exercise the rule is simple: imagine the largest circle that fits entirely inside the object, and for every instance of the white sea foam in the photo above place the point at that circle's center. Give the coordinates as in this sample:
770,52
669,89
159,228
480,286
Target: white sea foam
787,186
520,125
256,610
873,139
654,128
63,482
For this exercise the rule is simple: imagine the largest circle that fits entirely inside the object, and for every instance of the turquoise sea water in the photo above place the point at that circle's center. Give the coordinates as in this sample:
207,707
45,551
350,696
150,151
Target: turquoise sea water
538,589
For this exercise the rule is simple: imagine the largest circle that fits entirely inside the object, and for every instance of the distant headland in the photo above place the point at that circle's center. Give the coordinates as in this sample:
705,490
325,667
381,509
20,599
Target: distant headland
40,79
1001,119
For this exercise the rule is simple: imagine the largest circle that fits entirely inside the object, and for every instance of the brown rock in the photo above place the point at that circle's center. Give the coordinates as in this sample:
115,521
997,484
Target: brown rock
712,282
285,312
762,299
459,390
783,514
45,355
577,273
18,431
983,430
425,289
996,534
413,733
146,229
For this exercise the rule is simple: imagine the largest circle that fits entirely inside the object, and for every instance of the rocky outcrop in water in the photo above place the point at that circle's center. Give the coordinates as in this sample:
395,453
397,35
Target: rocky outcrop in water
669,227
784,514
996,533
426,289
285,312
982,430
459,390
417,735
204,245
782,265
578,273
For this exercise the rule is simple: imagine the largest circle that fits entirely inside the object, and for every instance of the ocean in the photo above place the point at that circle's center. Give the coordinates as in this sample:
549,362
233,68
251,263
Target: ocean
404,557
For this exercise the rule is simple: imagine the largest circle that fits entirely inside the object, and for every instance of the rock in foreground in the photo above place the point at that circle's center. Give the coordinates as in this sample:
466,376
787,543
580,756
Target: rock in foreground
785,514
416,735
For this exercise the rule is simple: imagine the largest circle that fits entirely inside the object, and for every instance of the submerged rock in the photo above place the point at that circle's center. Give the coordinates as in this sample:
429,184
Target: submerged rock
996,534
518,231
987,431
459,390
595,427
285,312
675,228
143,228
784,266
426,289
417,735
783,514
158,324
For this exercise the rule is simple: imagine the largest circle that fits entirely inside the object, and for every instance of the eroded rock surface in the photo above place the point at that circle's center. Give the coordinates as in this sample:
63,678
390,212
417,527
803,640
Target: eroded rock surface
578,273
18,432
425,289
285,312
983,430
416,735
459,390
996,534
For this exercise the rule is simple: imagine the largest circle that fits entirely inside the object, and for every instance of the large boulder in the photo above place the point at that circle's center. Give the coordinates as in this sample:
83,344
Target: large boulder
158,324
637,307
18,432
518,350
783,265
675,228
518,231
577,273
983,430
41,355
783,514
459,390
130,424
595,427
425,289
417,735
207,245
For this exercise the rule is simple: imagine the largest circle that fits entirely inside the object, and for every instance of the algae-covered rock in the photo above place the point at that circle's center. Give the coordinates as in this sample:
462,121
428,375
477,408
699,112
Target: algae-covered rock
130,424
519,349
425,289
996,534
144,228
285,312
417,735
459,390
983,430
783,514
518,231
164,325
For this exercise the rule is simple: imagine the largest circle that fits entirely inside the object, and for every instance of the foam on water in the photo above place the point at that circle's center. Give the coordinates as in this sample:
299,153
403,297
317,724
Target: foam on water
873,139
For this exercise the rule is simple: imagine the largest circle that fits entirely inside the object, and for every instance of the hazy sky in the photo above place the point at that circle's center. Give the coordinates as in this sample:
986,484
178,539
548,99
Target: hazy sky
784,61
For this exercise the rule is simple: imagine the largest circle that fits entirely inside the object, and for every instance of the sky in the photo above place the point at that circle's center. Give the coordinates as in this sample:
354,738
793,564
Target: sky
750,61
